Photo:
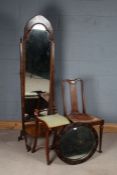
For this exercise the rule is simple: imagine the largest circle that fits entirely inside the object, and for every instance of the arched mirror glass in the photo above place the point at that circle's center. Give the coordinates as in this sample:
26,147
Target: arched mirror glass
37,76
37,68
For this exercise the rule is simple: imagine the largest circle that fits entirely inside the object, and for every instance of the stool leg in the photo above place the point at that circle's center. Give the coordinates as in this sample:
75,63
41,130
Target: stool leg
34,145
26,142
47,146
36,137
100,137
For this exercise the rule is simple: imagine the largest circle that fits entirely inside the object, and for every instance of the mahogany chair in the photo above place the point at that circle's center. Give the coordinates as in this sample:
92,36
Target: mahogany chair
77,108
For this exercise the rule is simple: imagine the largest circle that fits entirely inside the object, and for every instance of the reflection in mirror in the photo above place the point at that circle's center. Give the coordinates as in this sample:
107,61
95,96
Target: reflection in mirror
37,69
81,141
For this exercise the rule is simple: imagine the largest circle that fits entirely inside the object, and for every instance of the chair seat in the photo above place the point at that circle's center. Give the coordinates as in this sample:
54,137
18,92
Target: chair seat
83,118
54,120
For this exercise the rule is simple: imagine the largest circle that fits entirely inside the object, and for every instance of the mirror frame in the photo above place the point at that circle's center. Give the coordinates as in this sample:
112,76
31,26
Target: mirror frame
28,27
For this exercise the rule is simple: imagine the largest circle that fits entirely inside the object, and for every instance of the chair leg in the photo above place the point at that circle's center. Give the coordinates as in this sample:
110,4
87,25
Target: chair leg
34,145
47,146
36,138
100,137
56,132
53,140
26,143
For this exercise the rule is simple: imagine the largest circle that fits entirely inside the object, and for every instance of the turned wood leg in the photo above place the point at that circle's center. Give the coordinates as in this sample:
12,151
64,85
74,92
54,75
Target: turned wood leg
26,143
53,141
47,147
56,131
100,137
36,138
34,145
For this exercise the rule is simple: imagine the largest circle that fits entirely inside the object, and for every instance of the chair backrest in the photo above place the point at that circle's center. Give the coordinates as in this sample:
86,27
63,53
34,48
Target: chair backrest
75,90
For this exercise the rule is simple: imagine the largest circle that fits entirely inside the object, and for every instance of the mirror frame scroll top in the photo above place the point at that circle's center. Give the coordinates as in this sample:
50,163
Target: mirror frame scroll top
38,20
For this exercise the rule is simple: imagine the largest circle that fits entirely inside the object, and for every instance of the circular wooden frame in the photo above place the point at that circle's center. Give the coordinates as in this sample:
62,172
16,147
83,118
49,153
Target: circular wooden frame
82,159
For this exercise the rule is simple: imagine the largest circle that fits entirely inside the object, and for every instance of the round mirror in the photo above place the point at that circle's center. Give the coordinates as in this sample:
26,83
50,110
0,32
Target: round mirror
76,143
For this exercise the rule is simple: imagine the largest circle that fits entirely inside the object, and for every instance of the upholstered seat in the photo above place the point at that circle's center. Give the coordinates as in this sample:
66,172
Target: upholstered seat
83,118
54,120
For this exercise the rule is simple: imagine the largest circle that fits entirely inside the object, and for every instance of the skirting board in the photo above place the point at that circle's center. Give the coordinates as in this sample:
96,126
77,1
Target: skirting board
10,124
108,127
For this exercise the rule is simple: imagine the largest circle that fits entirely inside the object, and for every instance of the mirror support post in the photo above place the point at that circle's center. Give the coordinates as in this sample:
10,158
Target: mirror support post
51,109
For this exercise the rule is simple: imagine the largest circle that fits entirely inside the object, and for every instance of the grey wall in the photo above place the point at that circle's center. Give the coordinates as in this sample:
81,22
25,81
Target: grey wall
86,47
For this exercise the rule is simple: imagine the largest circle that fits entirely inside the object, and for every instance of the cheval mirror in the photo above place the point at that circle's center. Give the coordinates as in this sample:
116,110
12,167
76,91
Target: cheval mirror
37,69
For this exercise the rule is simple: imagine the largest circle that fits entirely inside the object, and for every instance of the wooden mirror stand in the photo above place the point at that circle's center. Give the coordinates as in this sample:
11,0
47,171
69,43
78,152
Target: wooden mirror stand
36,61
